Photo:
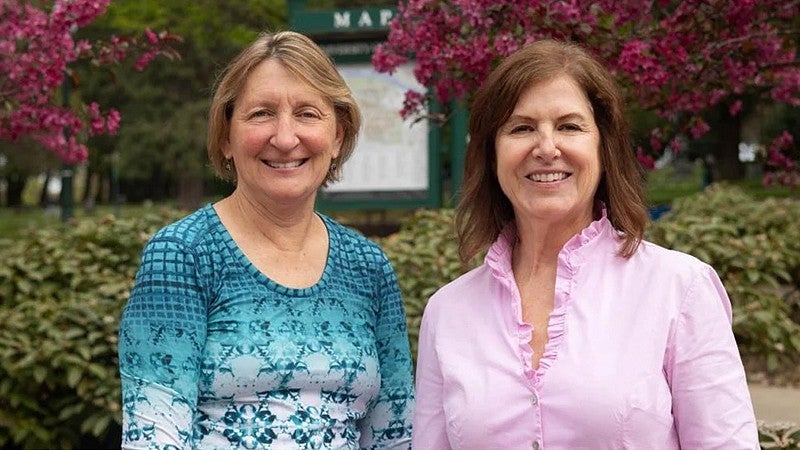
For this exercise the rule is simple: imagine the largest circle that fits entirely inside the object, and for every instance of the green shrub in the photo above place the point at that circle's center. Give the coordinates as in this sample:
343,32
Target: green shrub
778,435
62,290
755,247
424,253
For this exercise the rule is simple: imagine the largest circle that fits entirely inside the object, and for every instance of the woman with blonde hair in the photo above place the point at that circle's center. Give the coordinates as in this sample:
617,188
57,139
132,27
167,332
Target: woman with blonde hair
256,322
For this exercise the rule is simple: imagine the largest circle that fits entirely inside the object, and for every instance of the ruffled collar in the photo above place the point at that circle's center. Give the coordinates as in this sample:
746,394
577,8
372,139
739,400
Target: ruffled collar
498,258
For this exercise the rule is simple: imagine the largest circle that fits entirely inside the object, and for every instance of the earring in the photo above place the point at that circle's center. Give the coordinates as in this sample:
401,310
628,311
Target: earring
227,164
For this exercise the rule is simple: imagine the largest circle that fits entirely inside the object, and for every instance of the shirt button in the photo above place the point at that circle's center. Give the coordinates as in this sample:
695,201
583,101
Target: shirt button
534,401
535,445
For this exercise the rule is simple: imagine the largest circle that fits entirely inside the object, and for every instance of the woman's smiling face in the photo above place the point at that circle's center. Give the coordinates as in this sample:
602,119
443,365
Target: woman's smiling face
548,154
283,136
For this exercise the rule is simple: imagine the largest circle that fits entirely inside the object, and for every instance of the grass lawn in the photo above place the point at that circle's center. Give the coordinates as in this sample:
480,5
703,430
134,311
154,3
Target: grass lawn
679,180
15,221
669,183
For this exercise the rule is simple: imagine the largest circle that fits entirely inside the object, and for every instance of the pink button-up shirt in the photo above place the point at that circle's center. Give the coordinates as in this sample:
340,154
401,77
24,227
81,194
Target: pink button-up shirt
640,355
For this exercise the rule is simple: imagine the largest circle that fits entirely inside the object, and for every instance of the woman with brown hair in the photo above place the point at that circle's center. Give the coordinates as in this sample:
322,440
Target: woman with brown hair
575,333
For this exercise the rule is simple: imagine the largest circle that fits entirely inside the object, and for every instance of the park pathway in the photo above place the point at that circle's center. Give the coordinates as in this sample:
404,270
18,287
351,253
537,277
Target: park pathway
776,404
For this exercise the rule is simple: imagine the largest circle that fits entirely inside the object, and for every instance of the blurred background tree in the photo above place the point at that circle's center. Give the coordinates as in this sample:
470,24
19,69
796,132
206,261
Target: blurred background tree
160,147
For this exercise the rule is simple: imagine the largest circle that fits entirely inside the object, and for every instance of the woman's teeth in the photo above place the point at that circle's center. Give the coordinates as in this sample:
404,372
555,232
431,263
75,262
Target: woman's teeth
285,165
547,177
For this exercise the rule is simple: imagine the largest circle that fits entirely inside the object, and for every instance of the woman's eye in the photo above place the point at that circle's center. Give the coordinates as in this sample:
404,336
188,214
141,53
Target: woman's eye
520,129
309,115
570,127
259,113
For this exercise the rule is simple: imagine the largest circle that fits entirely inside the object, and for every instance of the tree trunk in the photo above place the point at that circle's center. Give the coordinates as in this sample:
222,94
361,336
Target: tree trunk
726,164
104,188
44,196
16,184
90,190
190,191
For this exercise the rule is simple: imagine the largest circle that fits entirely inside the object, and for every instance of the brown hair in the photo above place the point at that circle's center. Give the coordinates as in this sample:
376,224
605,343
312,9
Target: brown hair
484,210
304,59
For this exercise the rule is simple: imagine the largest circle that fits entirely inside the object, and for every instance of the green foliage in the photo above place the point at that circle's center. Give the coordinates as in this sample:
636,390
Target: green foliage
681,178
424,254
62,290
779,436
755,247
161,141
208,23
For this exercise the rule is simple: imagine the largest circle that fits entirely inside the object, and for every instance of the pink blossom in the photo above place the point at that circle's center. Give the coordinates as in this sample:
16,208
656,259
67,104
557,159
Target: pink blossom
151,36
699,128
36,52
113,120
785,170
412,103
676,145
645,160
678,59
143,61
735,108
387,61
716,96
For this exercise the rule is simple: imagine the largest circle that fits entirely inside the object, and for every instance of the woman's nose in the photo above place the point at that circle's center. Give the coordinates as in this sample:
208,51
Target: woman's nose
545,147
284,136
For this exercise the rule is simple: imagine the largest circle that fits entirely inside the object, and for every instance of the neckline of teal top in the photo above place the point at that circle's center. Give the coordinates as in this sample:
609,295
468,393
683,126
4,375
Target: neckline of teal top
248,265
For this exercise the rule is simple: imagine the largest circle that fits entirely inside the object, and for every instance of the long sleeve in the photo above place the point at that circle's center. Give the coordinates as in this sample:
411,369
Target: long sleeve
162,334
711,401
430,424
388,421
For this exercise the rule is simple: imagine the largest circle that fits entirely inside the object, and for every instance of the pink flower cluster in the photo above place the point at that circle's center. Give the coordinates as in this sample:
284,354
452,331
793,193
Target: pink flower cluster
454,44
679,58
784,170
36,51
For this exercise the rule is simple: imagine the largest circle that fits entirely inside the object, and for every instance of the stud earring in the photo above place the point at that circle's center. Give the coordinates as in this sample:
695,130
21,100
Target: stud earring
228,164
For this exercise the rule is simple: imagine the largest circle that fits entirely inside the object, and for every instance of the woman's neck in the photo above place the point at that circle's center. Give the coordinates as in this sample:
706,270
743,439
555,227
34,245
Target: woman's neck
538,243
287,227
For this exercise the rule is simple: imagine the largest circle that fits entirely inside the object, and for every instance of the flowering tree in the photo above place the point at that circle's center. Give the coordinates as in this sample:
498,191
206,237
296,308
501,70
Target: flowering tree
37,50
680,59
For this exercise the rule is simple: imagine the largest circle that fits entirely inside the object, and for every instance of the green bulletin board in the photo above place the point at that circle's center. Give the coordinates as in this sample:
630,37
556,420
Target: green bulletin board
396,163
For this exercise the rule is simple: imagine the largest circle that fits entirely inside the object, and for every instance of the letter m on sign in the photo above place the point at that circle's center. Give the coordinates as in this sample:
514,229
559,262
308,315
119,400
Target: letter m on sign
341,19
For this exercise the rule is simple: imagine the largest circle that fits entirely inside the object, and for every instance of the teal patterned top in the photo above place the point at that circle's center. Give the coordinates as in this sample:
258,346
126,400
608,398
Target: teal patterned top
214,354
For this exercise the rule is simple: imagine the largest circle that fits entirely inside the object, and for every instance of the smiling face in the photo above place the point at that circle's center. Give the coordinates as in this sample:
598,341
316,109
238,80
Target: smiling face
283,136
548,155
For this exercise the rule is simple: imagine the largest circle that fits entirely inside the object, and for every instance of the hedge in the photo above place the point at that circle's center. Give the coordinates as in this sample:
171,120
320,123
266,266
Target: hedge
62,290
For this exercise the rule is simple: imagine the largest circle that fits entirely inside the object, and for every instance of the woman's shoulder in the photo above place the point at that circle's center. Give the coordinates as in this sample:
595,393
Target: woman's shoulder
655,262
668,258
188,230
465,287
352,242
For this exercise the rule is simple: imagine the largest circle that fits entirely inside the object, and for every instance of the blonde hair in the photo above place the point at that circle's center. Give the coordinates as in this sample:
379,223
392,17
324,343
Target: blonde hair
304,59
